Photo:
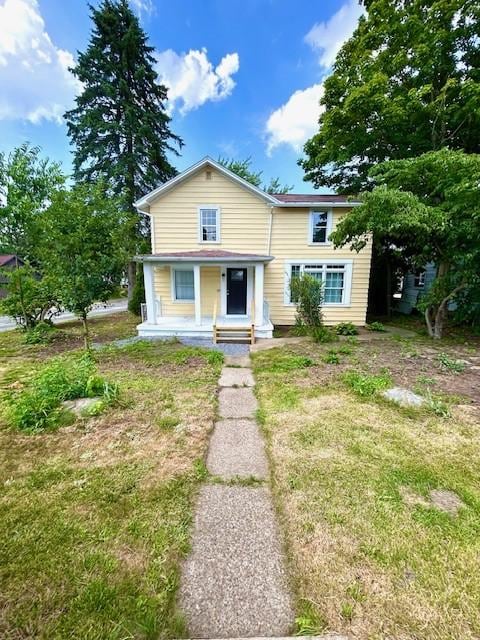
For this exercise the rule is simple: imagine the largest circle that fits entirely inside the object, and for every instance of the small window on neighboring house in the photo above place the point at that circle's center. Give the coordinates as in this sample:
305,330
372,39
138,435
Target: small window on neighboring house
419,280
209,224
320,227
183,287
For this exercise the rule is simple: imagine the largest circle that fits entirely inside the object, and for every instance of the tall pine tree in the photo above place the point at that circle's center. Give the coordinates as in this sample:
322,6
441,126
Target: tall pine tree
120,128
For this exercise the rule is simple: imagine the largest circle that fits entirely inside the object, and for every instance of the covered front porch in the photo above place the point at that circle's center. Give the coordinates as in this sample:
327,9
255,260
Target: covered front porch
208,293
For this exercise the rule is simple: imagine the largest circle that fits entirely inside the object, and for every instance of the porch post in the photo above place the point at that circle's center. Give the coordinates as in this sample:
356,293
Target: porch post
149,280
196,286
259,273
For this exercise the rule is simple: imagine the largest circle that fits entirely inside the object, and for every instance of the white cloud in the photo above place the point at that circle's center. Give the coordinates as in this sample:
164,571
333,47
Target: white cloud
142,6
328,37
192,79
34,77
296,120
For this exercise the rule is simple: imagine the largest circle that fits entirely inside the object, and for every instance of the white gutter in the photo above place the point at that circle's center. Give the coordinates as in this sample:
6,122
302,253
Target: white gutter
309,205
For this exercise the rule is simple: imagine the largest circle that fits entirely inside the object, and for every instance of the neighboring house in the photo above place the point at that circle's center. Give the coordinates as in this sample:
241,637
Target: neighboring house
223,253
8,262
414,286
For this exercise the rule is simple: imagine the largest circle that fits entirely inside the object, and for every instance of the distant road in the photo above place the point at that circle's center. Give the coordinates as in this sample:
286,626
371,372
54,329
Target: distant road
99,309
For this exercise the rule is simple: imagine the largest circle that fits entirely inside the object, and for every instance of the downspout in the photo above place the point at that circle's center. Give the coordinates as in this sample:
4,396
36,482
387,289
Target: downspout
270,225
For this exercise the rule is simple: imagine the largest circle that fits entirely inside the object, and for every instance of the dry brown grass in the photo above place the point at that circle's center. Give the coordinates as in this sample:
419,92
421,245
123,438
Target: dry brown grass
371,555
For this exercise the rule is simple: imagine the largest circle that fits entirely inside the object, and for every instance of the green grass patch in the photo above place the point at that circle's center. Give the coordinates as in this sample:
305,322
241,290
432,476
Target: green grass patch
366,385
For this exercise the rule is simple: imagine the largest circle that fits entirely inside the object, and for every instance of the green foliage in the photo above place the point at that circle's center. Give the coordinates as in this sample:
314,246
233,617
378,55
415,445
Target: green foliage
27,184
429,208
450,364
243,169
42,333
37,406
30,298
215,358
281,362
375,326
138,294
366,385
307,292
120,128
332,357
323,334
167,423
346,329
87,260
405,83
309,622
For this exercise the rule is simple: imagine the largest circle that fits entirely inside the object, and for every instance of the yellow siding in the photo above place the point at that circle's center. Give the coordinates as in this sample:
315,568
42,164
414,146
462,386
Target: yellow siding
209,286
244,216
245,220
290,242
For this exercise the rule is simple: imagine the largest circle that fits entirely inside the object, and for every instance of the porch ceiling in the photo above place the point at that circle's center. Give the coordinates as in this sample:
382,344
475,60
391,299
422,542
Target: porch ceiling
203,256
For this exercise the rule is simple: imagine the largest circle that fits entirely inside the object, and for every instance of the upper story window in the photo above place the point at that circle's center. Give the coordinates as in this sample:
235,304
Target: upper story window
320,226
209,223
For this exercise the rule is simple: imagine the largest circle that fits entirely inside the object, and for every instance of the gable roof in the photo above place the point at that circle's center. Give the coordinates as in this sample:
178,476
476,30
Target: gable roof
8,257
143,204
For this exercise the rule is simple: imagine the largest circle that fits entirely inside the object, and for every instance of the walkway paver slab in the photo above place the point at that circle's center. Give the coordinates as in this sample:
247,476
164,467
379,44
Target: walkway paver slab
236,450
237,403
238,377
238,361
234,582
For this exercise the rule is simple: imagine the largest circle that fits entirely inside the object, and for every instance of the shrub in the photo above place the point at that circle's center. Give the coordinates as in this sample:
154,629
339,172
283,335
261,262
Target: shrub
323,334
138,295
38,406
346,329
365,385
42,333
307,292
375,326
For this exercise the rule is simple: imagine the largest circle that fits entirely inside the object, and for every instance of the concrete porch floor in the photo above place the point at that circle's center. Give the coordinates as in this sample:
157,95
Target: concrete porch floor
185,326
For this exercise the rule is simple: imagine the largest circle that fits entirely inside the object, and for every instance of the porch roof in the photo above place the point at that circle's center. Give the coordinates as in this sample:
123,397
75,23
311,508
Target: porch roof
203,256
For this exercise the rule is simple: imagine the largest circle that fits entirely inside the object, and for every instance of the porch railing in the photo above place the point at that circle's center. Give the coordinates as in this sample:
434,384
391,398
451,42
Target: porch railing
144,313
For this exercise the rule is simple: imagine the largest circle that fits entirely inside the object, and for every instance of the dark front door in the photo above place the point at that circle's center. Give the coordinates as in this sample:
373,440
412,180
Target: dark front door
236,291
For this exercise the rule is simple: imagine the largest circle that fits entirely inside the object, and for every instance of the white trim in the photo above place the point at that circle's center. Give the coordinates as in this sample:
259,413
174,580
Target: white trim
152,232
347,281
144,202
259,282
150,294
217,209
172,283
314,205
198,294
328,229
203,260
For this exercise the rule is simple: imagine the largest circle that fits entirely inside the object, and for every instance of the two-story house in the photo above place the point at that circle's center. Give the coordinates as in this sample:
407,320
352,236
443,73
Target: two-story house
223,254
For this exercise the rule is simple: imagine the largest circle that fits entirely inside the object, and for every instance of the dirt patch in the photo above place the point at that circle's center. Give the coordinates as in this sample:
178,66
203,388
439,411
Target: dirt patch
412,499
447,501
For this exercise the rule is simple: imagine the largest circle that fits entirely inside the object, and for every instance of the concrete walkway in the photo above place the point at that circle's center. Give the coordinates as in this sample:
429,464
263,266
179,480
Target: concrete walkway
234,583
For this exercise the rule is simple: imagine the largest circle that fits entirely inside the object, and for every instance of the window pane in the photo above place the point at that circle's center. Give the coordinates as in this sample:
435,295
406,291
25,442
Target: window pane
208,221
319,226
334,287
184,289
294,273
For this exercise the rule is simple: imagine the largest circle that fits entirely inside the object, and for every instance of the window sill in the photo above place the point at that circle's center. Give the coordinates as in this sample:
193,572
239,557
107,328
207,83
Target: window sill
320,244
209,242
327,305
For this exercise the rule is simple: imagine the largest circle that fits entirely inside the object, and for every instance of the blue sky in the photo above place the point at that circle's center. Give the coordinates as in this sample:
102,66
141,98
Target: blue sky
244,76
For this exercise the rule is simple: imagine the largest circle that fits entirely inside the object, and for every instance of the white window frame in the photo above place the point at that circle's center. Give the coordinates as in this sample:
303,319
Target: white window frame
217,230
173,288
347,279
328,230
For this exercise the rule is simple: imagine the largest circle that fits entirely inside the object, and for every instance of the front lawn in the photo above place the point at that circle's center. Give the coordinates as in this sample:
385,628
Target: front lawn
380,505
95,516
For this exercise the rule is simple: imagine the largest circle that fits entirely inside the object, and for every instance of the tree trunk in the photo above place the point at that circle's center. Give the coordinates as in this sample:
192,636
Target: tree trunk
132,278
389,288
86,336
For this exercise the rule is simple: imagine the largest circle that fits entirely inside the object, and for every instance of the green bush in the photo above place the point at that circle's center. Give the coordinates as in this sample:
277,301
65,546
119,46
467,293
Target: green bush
42,333
307,292
38,406
365,385
138,295
375,326
323,334
346,329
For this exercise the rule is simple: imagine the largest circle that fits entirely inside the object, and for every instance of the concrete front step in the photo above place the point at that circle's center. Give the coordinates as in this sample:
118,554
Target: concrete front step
236,403
236,451
238,361
236,377
234,582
